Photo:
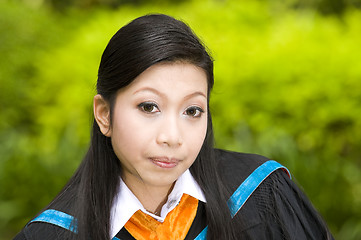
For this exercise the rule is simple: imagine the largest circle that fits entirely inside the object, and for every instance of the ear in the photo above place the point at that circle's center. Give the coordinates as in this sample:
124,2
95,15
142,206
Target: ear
102,114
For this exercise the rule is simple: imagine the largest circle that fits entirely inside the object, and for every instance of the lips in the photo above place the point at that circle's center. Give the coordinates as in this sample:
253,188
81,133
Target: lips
165,162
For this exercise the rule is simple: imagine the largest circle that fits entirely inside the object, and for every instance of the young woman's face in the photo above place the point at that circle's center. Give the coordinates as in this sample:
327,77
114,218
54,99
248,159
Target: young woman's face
160,123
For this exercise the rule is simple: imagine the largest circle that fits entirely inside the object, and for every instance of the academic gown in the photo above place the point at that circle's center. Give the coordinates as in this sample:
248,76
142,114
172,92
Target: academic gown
277,209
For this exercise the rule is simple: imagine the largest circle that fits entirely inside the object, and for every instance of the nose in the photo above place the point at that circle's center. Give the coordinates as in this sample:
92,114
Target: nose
170,132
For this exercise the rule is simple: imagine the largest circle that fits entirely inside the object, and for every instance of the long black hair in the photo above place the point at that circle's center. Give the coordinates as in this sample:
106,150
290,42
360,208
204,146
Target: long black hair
89,194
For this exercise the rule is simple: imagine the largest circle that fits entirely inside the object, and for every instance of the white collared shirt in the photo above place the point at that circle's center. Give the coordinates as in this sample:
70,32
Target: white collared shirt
126,203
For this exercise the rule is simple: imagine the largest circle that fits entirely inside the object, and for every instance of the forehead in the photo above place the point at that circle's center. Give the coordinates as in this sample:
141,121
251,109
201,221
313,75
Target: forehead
178,77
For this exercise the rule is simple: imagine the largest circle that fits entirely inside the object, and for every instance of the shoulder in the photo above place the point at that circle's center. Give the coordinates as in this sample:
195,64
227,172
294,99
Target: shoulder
277,208
42,231
226,156
245,162
235,167
45,229
282,209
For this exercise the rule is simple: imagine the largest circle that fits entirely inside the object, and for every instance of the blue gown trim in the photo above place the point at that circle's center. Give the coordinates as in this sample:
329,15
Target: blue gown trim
235,202
244,191
202,235
59,219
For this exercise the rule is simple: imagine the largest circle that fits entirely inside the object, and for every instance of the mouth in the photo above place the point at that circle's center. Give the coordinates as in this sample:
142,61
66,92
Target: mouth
164,162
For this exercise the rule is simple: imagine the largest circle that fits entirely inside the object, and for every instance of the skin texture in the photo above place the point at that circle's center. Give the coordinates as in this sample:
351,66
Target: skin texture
158,127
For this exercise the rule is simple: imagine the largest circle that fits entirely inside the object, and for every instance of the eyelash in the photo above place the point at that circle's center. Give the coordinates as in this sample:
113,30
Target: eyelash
148,107
144,105
198,112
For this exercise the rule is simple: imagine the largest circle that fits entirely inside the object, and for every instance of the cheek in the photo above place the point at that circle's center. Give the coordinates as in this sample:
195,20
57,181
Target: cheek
127,136
196,137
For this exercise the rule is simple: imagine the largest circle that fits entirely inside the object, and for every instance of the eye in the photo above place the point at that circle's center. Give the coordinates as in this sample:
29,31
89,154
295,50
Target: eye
194,112
148,107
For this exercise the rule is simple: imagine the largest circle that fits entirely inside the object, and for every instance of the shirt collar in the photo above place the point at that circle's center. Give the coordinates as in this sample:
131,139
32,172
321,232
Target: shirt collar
126,203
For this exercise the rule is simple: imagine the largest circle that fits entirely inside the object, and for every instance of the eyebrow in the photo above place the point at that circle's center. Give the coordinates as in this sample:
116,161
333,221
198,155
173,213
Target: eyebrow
149,89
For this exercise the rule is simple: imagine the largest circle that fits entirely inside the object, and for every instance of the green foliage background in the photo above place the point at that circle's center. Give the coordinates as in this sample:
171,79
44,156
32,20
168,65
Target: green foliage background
288,86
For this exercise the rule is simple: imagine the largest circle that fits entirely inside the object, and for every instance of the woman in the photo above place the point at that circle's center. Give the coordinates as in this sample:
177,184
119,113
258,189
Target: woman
151,171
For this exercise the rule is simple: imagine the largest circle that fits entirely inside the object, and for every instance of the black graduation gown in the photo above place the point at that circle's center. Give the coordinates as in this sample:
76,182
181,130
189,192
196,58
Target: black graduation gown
277,209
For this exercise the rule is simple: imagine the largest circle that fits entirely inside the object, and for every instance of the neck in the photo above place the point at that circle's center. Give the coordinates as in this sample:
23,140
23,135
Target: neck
151,197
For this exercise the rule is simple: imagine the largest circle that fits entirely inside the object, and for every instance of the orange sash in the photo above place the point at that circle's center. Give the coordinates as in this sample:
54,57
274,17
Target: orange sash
175,226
